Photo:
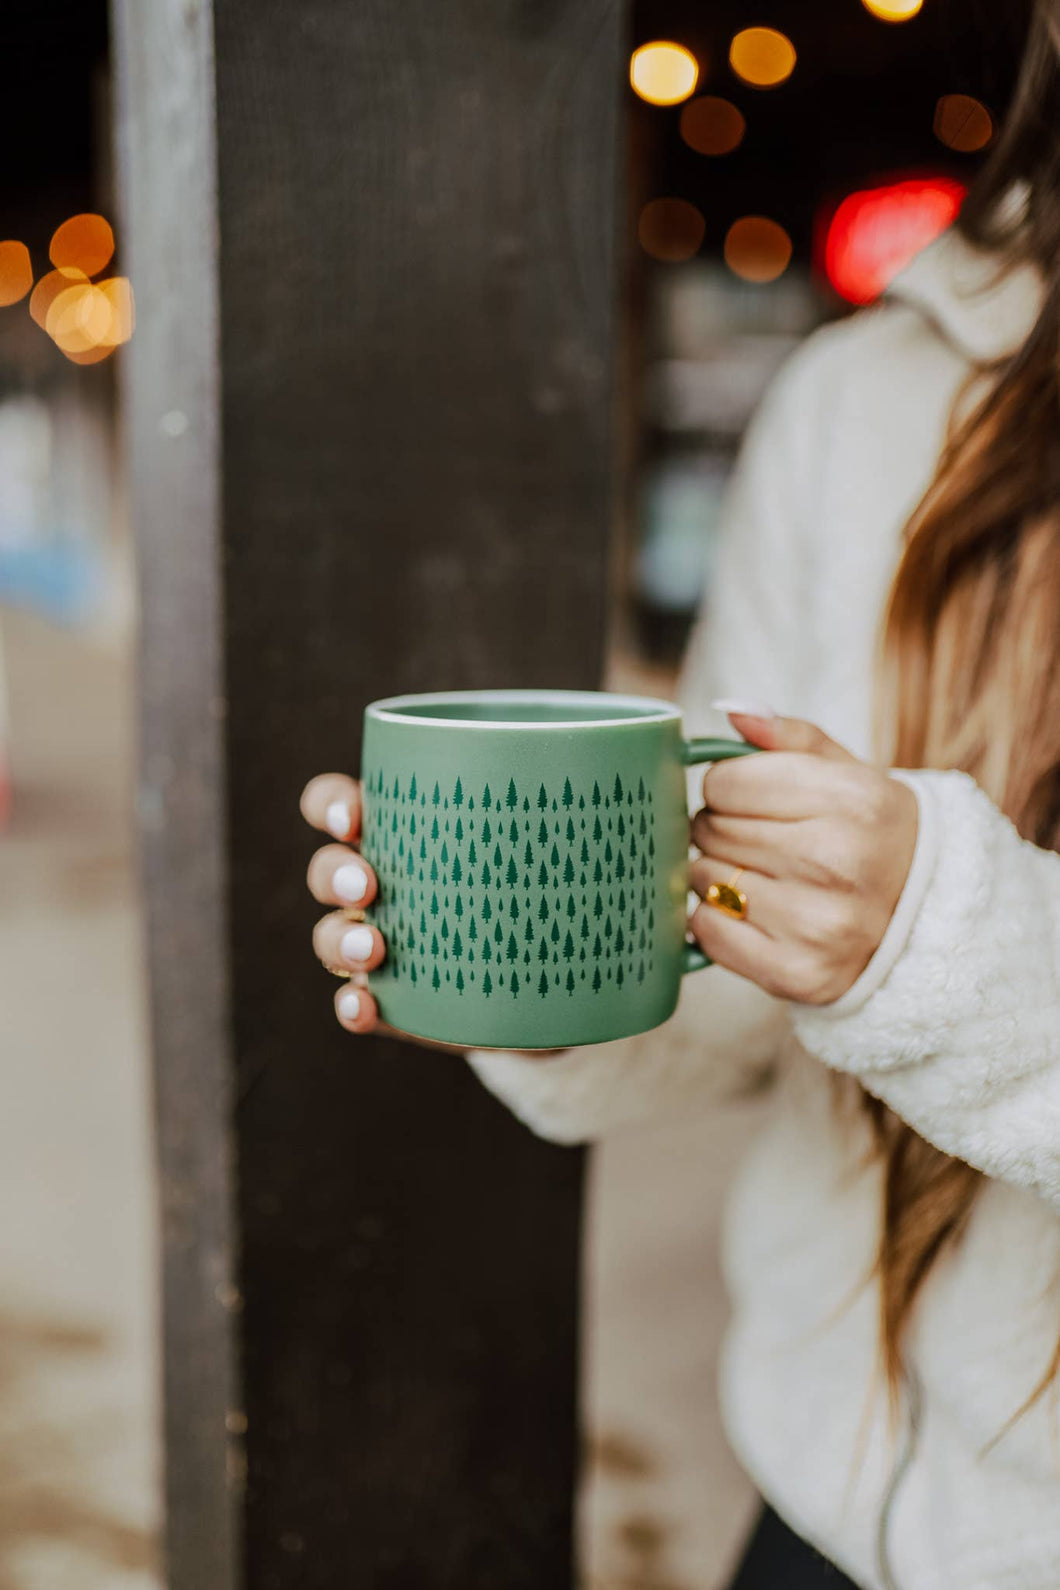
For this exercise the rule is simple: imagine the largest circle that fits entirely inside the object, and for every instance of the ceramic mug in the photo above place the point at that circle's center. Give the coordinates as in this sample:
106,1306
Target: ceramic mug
531,848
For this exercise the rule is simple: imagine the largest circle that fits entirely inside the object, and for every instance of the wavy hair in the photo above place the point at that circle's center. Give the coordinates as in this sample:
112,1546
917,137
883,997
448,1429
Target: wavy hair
969,666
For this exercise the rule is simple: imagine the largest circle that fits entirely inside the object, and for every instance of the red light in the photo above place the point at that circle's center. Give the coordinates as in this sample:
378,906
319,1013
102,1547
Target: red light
876,231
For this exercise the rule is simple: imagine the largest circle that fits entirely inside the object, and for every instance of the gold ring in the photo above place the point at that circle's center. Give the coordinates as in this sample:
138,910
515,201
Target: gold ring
336,971
727,897
353,913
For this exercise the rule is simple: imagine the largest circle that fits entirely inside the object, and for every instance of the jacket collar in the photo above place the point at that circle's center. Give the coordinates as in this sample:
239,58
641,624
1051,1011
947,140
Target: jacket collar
986,313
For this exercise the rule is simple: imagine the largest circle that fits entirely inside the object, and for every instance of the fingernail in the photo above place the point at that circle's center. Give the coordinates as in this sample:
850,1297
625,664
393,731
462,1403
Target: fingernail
337,819
349,1005
357,943
350,882
745,709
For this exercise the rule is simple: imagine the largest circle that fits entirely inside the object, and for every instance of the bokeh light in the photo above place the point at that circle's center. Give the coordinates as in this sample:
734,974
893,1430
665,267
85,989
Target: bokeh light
670,230
78,319
893,10
84,243
963,123
876,231
119,295
663,73
90,355
16,272
48,289
712,126
762,57
757,249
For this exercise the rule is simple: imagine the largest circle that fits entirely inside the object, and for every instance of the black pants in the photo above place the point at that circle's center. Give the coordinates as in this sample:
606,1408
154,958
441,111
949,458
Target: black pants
777,1559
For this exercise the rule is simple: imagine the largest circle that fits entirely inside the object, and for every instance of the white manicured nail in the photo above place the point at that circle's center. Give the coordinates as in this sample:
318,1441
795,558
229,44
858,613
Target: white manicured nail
746,709
337,819
349,1005
350,882
357,943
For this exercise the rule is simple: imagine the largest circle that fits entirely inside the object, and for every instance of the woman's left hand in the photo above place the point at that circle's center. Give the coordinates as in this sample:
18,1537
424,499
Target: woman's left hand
824,842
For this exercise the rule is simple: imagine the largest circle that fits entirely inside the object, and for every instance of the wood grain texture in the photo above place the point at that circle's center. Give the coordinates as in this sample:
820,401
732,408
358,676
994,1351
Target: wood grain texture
417,241
413,303
170,408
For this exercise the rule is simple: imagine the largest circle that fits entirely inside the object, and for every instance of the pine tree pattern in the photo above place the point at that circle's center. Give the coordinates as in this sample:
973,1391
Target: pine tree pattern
533,892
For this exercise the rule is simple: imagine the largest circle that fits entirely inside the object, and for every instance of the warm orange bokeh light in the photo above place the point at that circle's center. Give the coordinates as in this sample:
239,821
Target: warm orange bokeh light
79,318
762,57
46,291
90,355
893,10
16,272
670,230
757,249
84,243
117,290
962,123
712,126
663,73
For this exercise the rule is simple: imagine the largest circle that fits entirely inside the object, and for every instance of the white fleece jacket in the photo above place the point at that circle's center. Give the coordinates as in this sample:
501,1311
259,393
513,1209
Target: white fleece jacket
955,1022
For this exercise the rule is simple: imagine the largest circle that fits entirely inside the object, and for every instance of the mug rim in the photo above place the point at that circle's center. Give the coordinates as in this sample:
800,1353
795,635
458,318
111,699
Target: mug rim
656,709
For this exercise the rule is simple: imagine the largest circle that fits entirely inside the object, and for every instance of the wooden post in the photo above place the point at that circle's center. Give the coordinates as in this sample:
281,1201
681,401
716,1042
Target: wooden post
416,272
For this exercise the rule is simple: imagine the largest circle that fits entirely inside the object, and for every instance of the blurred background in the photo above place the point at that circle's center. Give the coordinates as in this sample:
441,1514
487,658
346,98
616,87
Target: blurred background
777,177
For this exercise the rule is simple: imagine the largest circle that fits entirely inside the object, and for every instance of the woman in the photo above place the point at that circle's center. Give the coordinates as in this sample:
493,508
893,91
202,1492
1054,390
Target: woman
892,1246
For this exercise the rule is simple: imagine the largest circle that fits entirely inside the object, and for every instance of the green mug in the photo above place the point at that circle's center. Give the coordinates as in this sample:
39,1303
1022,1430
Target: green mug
531,848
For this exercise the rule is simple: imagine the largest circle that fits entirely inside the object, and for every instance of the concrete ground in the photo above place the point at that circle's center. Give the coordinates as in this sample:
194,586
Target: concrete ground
664,1505
78,1470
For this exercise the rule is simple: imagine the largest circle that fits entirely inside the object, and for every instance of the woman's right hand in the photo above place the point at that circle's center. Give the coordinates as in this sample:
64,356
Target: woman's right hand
339,877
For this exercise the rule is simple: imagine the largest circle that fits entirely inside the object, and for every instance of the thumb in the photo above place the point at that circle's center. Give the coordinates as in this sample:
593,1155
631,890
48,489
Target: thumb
761,726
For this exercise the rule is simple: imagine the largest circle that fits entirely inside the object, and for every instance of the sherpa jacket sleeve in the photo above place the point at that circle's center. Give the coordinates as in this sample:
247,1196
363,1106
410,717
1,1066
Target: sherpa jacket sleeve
955,1022
747,641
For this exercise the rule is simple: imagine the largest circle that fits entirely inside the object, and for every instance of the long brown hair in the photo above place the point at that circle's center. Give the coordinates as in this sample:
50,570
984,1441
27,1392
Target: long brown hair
969,672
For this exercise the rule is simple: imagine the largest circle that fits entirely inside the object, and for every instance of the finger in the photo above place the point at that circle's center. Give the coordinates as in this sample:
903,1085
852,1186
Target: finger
784,785
742,948
758,842
337,875
356,1009
788,734
351,946
765,906
332,802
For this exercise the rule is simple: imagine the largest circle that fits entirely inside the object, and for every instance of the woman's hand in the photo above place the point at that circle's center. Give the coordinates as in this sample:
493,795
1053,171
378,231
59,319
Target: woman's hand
340,877
825,843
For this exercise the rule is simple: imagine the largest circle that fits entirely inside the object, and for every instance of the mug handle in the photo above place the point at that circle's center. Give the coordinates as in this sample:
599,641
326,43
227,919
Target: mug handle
707,750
